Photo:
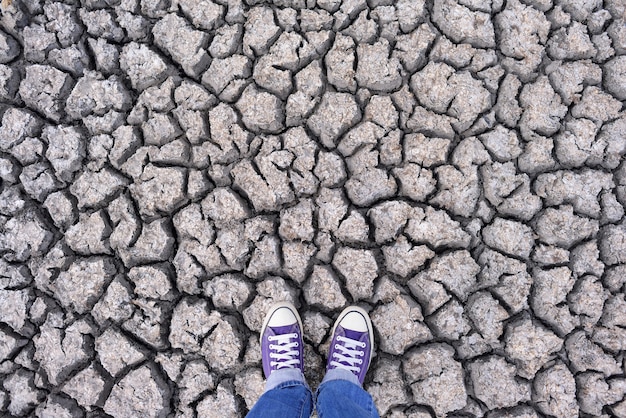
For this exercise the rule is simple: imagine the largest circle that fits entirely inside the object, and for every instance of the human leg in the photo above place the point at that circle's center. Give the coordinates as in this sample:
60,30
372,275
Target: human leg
286,392
341,393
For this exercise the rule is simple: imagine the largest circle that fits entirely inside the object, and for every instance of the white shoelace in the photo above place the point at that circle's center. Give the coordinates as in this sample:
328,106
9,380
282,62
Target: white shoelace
284,351
348,358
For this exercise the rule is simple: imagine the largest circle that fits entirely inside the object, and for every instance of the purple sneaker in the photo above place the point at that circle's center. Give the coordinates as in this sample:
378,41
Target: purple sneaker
352,345
281,339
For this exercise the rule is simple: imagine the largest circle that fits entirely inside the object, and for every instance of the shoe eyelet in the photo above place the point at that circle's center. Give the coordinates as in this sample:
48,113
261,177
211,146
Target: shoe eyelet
361,353
296,344
336,346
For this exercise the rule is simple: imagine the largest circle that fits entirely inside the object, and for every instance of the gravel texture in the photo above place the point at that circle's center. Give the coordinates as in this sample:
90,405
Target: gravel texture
171,168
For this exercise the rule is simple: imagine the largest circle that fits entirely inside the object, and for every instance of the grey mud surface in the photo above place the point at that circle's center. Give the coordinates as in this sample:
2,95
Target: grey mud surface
170,168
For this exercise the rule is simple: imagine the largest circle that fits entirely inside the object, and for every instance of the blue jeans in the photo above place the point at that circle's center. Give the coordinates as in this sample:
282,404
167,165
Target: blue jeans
288,396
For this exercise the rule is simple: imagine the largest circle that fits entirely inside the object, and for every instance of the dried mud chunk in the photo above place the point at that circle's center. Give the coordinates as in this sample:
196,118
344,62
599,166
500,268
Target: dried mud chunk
38,180
389,219
458,190
116,352
22,392
334,116
273,71
86,387
159,190
569,78
148,321
142,392
9,82
425,151
551,290
543,110
456,271
613,244
189,222
155,243
416,183
436,378
223,344
190,323
9,48
615,74
296,257
495,384
402,258
270,291
487,315
563,228
597,105
340,62
584,355
522,43
95,95
261,111
510,237
44,89
375,70
24,236
264,196
94,188
226,76
464,25
577,145
143,66
450,321
359,268
323,289
226,40
296,222
530,346
101,24
185,45
66,150
194,380
353,229
411,49
331,206
400,325
214,404
223,206
593,392
537,156
507,106
265,258
309,87
555,392
441,89
60,351
387,388
571,43
259,31
83,283
38,42
203,14
229,291
13,304
56,406
587,299
89,235
370,186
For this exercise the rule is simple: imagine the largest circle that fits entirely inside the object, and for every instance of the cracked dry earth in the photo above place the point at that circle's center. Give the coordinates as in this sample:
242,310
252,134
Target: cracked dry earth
170,168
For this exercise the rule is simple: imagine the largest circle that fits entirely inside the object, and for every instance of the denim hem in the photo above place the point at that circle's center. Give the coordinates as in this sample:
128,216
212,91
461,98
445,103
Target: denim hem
279,377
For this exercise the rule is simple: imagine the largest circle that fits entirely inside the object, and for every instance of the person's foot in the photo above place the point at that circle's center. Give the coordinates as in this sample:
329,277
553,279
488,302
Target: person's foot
281,339
352,344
